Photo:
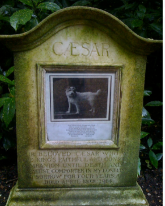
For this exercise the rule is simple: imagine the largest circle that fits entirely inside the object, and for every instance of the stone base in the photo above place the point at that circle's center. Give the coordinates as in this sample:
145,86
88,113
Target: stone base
116,196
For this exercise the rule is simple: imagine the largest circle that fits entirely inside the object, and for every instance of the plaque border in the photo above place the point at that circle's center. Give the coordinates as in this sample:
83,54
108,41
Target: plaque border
42,69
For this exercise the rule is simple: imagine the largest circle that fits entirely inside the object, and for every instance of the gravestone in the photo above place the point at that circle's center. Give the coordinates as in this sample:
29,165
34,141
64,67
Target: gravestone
79,79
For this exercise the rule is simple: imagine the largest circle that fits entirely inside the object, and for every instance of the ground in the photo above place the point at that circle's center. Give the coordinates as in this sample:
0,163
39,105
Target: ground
151,184
150,181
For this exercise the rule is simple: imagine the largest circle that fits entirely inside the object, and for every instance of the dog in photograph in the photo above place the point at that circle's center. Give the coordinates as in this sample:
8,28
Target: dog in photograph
76,98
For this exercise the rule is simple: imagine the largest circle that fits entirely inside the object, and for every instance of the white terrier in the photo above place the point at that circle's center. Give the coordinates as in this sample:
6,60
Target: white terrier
76,97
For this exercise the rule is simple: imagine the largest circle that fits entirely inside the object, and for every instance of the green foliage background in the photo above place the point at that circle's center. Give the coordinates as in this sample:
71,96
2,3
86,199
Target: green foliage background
144,17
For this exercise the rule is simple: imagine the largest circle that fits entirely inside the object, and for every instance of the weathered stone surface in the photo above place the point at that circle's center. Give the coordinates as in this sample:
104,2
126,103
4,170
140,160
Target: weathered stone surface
78,44
113,196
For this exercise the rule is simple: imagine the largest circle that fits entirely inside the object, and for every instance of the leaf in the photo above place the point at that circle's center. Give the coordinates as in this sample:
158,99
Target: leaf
5,10
153,159
149,142
10,2
136,23
13,82
5,95
154,103
12,91
143,134
145,113
8,111
142,147
65,3
2,100
7,144
119,8
142,33
9,71
140,14
128,6
2,157
1,90
128,22
147,121
146,118
5,18
20,17
157,146
30,24
129,15
142,8
59,3
0,136
147,93
148,164
49,6
6,80
156,27
139,167
150,16
81,3
36,2
159,156
27,2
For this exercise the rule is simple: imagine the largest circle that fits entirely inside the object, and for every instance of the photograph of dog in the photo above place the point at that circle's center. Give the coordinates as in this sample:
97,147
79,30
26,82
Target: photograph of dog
80,98
75,98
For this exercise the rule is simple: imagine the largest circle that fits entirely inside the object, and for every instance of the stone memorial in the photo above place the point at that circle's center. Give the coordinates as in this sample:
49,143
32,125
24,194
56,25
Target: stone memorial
79,79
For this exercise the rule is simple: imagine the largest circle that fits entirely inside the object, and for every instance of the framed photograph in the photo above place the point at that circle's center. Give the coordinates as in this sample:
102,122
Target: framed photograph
79,105
76,97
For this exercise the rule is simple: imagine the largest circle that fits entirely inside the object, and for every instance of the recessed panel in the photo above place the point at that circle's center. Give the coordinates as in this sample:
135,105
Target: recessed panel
80,108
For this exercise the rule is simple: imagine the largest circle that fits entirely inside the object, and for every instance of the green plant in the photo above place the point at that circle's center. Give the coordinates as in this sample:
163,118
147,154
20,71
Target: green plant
145,18
23,15
7,110
148,150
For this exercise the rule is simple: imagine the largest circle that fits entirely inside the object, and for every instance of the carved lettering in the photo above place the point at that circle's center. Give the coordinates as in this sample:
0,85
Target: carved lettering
74,51
105,49
65,168
68,50
95,50
57,48
81,49
86,47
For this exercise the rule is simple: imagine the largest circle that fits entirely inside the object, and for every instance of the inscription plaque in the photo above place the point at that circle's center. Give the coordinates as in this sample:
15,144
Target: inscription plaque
56,169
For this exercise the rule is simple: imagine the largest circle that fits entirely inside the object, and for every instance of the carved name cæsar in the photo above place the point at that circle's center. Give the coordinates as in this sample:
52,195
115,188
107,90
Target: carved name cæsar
81,49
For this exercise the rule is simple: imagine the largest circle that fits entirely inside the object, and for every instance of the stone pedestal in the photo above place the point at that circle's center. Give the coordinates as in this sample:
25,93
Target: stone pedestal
114,196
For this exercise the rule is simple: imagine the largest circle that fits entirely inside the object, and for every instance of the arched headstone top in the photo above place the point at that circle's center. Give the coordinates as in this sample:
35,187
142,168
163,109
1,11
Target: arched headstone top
71,16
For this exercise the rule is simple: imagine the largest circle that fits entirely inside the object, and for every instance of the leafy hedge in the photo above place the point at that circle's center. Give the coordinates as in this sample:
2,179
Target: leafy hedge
143,17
